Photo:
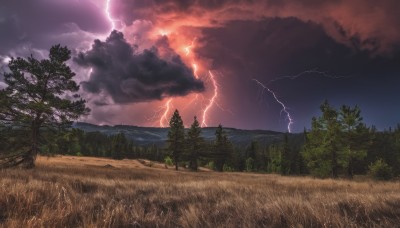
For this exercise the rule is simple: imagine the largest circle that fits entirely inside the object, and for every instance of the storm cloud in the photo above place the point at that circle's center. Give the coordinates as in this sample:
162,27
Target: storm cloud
361,24
130,77
39,24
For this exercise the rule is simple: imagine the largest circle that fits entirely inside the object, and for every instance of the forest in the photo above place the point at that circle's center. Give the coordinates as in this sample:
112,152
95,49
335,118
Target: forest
331,148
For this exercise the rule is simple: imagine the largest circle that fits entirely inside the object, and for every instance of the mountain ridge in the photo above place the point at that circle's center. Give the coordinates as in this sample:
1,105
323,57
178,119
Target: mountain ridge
158,136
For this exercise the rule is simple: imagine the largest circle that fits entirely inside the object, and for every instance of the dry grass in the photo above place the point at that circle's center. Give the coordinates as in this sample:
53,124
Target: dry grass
94,192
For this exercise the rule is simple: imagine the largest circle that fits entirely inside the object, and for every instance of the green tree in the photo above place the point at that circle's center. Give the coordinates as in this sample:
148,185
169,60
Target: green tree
35,99
274,158
249,164
119,146
380,170
194,144
337,141
176,137
323,144
355,137
222,148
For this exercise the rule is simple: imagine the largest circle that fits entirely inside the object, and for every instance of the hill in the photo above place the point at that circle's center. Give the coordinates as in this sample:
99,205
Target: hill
158,136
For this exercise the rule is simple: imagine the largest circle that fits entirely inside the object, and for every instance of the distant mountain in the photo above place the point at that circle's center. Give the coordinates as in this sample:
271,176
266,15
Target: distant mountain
158,136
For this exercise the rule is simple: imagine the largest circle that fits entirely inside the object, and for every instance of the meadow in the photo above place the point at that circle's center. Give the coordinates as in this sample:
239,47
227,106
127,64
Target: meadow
66,191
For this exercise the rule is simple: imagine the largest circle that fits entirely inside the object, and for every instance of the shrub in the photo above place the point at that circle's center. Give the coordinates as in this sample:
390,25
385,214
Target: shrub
249,164
227,168
211,165
380,170
168,161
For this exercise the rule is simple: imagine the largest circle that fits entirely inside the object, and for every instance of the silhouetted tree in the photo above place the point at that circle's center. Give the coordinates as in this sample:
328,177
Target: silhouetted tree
195,142
176,137
223,148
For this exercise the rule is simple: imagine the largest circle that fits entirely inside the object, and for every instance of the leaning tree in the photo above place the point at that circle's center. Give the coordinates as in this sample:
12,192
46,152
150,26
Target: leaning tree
40,94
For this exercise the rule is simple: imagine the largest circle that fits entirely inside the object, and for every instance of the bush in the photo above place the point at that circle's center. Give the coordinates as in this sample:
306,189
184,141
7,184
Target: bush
227,168
380,170
249,164
211,165
168,161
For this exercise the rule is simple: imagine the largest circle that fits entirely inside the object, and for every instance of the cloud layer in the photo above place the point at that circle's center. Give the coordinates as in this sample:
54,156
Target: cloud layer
130,77
361,24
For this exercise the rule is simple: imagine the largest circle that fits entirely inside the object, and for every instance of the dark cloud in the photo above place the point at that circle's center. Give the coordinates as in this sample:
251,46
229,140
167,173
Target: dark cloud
39,24
129,77
280,47
361,24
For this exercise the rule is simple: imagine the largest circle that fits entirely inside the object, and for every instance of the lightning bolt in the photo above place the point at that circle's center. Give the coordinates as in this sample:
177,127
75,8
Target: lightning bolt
314,71
164,117
188,48
212,100
108,14
284,108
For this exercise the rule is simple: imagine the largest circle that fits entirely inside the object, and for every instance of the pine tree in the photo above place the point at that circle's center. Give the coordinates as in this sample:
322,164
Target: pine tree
34,99
119,145
285,157
355,137
323,144
223,148
195,142
176,137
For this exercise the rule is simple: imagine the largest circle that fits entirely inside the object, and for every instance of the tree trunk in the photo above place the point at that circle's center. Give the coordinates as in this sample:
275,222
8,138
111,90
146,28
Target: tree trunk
350,169
334,164
30,157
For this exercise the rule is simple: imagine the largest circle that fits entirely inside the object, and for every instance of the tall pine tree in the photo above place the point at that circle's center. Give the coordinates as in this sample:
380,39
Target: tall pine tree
35,99
322,150
195,142
355,137
176,137
223,148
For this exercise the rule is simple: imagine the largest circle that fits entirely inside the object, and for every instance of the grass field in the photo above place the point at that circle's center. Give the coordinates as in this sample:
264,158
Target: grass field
95,192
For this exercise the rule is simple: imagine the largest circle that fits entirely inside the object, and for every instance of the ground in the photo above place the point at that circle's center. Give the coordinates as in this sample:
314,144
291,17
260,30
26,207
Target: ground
66,191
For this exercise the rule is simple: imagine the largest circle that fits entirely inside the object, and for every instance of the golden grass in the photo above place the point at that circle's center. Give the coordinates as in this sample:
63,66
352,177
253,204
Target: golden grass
95,192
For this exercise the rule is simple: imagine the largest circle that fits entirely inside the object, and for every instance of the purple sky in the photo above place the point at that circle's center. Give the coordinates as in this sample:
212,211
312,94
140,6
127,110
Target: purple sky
173,54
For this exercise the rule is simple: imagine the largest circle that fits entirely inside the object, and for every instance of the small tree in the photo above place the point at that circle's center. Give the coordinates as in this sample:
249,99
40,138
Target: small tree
168,161
380,170
176,137
249,164
35,99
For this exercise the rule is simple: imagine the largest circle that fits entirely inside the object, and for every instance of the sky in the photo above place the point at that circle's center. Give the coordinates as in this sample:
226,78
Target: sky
250,64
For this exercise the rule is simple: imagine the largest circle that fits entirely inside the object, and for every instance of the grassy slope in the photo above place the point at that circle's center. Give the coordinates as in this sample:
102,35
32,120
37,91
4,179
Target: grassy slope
94,192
